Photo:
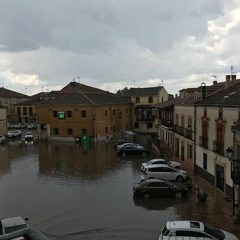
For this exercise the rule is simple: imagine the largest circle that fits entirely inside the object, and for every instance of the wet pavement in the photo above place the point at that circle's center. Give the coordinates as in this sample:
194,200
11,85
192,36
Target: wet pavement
73,192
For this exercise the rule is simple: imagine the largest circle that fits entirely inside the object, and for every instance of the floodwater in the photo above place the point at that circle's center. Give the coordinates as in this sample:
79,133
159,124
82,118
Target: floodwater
85,192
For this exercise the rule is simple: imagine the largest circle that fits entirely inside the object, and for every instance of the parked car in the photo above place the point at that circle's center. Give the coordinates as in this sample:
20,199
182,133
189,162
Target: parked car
120,143
127,149
165,172
28,137
162,161
126,144
12,224
2,139
32,126
190,229
158,188
14,133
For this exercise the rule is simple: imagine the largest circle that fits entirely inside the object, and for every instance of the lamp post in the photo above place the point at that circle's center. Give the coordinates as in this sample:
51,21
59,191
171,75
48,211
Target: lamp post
231,156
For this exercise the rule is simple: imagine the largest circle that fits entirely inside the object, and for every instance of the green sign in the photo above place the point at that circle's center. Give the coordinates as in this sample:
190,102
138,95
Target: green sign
61,115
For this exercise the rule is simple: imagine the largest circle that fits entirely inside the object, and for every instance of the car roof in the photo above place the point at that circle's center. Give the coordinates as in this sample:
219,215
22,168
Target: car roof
158,159
158,165
152,180
193,225
12,221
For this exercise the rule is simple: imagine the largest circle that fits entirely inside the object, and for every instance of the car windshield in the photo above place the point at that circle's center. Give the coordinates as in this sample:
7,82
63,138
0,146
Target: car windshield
149,162
14,228
216,233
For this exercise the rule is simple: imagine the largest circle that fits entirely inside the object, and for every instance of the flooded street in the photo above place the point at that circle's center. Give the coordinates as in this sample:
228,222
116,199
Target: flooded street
73,192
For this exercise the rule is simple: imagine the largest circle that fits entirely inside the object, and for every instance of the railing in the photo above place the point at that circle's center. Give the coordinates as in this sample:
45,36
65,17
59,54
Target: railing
203,141
218,147
185,132
148,118
167,123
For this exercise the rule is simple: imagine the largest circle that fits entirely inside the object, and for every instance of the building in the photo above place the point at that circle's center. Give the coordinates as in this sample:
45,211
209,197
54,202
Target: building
97,115
8,99
144,101
215,116
3,121
26,111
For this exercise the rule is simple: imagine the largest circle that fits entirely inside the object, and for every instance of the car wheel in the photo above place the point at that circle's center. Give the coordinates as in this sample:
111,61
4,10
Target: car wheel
179,179
124,154
178,195
146,195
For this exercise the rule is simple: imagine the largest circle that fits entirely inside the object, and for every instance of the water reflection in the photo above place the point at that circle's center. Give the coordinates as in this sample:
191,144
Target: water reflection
70,162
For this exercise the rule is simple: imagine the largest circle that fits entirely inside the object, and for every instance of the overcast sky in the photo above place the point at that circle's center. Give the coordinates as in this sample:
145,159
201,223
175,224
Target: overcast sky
112,44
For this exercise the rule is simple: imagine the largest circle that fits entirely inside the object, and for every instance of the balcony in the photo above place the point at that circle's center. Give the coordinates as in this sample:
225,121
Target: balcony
203,141
179,130
188,133
218,147
167,123
147,118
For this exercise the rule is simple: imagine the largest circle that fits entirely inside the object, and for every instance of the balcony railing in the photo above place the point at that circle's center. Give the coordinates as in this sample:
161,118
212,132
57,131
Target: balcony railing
148,118
203,141
167,123
185,132
218,147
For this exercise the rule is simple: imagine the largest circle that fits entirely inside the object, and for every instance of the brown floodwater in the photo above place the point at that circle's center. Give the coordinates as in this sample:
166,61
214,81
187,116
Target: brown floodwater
85,192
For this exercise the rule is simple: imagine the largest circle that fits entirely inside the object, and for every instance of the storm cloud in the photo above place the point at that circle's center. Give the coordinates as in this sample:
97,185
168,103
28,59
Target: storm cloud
114,44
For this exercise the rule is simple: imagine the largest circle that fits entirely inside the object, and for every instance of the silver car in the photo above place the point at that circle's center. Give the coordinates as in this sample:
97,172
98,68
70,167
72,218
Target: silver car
162,161
165,172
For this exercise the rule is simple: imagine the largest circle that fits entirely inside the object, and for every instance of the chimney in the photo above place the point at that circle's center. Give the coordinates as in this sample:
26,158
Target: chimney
214,83
230,80
203,89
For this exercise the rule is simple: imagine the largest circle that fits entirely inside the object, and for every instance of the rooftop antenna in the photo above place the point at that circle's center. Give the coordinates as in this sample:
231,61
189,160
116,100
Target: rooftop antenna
162,82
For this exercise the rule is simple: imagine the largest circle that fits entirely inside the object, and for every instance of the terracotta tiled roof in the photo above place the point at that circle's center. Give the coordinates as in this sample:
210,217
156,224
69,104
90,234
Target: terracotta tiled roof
87,99
75,87
4,92
141,92
226,97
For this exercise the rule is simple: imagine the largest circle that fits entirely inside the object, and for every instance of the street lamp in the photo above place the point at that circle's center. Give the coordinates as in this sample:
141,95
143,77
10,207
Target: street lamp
230,153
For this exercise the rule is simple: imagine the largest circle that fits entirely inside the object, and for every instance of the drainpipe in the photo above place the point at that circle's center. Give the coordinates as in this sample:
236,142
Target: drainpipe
195,127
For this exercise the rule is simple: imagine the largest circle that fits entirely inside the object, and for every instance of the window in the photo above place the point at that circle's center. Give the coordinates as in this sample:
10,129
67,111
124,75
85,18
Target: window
189,151
105,113
137,100
30,110
157,184
149,125
83,114
55,131
18,111
114,128
69,114
185,233
126,110
136,125
69,131
84,131
54,114
106,129
120,114
150,99
24,111
114,112
205,161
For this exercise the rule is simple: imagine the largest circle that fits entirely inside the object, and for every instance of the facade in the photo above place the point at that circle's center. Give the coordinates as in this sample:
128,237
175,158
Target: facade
73,115
3,121
26,111
144,101
8,99
215,116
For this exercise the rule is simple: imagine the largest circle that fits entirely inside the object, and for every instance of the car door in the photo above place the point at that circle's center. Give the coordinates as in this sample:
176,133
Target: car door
157,189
